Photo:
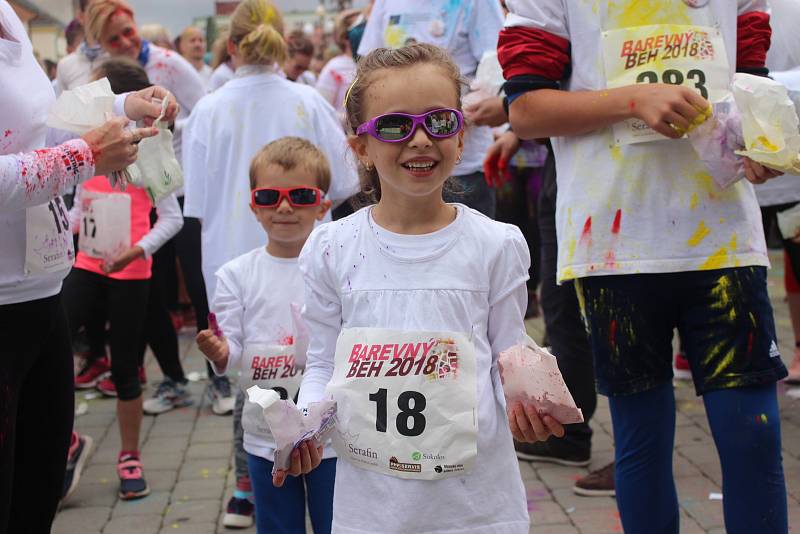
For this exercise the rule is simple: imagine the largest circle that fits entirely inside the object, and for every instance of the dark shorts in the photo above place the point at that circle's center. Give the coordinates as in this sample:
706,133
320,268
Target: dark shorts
724,319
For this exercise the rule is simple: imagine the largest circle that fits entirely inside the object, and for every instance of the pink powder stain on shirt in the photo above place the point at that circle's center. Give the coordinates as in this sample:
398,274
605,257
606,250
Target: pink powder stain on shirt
7,133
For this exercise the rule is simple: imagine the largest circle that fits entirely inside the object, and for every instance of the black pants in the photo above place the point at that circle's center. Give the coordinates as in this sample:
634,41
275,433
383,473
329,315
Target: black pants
516,204
126,303
36,413
188,246
474,192
159,331
566,332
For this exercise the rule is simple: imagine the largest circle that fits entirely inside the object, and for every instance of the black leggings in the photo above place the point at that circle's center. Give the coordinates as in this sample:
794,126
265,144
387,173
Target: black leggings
159,330
36,413
126,304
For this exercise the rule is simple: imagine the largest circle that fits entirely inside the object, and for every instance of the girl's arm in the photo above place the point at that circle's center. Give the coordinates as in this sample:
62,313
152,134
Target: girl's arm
169,223
323,314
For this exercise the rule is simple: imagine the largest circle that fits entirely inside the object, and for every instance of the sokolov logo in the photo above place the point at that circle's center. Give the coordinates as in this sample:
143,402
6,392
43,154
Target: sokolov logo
394,465
417,456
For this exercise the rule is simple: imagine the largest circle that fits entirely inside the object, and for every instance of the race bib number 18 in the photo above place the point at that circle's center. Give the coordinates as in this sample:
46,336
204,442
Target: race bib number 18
675,54
406,402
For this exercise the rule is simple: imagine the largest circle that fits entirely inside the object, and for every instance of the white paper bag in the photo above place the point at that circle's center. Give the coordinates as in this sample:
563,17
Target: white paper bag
161,173
83,108
716,141
106,227
530,374
789,221
769,122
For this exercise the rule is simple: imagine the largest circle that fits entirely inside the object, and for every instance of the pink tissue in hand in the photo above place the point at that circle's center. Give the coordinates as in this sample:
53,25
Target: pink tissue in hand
530,375
716,141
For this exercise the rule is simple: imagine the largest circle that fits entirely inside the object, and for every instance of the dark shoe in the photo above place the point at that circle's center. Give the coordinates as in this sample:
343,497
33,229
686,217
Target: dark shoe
543,451
132,484
239,513
598,483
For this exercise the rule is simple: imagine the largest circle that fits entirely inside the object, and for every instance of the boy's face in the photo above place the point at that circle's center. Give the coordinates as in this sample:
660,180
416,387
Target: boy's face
288,225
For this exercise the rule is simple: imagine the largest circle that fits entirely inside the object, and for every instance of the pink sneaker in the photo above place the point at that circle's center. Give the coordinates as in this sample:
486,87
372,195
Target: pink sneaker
92,373
132,484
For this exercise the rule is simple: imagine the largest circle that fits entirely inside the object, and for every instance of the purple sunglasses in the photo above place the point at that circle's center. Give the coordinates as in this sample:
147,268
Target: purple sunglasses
399,127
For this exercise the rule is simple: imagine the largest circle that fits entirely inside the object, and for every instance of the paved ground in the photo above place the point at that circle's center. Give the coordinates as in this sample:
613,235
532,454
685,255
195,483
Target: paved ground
187,458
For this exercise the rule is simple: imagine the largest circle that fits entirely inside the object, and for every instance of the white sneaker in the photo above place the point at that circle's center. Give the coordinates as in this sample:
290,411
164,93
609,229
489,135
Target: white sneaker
220,395
168,396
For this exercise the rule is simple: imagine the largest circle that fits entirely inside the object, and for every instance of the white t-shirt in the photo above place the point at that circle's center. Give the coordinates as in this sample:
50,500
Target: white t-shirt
224,133
221,75
252,302
76,69
205,73
28,178
170,70
466,29
648,207
335,79
473,282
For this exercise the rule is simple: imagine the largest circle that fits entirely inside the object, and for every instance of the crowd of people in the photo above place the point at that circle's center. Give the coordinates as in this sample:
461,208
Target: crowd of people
430,174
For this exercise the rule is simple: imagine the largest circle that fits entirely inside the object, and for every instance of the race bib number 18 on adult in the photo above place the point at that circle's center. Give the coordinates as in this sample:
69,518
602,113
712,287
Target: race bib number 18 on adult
406,402
676,54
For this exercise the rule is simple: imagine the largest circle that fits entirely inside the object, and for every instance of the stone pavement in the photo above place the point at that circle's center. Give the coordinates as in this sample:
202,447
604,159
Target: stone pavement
187,455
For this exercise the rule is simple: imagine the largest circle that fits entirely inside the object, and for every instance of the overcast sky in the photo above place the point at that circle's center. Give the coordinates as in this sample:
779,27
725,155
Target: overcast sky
177,14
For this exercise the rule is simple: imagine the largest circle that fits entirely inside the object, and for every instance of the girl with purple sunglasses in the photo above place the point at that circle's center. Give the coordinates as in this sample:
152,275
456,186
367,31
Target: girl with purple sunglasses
409,302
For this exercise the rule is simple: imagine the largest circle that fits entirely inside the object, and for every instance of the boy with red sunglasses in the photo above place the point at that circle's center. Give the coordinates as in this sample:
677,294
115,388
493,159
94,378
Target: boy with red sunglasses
253,304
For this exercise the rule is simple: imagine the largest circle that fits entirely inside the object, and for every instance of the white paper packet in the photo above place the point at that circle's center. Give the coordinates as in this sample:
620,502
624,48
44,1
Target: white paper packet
716,141
488,80
289,426
157,165
530,374
83,108
769,122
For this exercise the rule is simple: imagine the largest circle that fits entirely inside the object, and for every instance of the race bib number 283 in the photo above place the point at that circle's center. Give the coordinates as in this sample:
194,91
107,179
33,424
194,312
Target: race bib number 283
406,402
675,54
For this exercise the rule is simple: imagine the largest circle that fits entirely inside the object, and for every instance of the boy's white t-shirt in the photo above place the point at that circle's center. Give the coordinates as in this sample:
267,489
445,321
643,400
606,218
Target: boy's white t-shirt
226,130
466,29
649,207
253,307
468,277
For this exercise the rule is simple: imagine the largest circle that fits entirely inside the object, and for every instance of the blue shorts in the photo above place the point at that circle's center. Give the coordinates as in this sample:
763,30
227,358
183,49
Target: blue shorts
724,319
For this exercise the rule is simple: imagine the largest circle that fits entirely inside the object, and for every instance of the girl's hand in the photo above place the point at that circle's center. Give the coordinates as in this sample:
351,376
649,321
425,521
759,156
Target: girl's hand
304,458
757,173
213,347
495,166
122,260
668,109
527,426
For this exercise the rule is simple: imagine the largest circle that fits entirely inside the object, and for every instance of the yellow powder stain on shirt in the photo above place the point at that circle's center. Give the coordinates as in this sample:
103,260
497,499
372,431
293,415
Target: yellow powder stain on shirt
616,153
699,234
567,274
571,250
694,202
394,36
630,13
721,258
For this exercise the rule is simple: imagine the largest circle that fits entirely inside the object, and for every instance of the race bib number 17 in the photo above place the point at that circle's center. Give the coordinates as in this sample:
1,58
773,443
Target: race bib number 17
675,54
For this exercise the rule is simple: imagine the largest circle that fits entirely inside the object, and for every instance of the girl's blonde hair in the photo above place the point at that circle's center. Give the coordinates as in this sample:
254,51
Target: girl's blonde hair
397,58
100,12
257,31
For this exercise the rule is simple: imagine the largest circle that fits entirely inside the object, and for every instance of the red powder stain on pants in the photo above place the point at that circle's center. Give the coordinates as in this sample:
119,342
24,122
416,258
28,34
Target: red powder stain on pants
617,221
612,334
587,229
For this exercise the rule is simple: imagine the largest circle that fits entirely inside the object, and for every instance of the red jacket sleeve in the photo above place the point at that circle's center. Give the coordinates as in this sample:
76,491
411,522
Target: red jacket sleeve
530,51
753,35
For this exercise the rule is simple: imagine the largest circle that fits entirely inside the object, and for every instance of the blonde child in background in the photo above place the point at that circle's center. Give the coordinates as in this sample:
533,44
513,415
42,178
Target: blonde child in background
409,303
254,294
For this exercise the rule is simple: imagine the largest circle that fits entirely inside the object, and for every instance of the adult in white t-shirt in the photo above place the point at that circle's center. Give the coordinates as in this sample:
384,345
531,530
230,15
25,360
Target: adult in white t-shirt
37,253
466,29
228,127
653,243
191,44
337,74
220,76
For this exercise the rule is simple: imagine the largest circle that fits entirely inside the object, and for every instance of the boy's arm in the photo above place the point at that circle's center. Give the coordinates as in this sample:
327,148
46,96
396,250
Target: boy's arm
228,306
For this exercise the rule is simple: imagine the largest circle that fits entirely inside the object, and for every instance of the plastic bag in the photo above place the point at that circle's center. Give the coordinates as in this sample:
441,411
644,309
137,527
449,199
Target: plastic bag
716,141
530,374
769,122
160,171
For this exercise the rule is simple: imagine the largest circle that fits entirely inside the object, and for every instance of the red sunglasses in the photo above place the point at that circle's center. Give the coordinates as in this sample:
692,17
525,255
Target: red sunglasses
298,197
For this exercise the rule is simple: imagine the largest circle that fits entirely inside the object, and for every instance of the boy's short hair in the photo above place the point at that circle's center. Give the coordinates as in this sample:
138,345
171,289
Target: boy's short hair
292,152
